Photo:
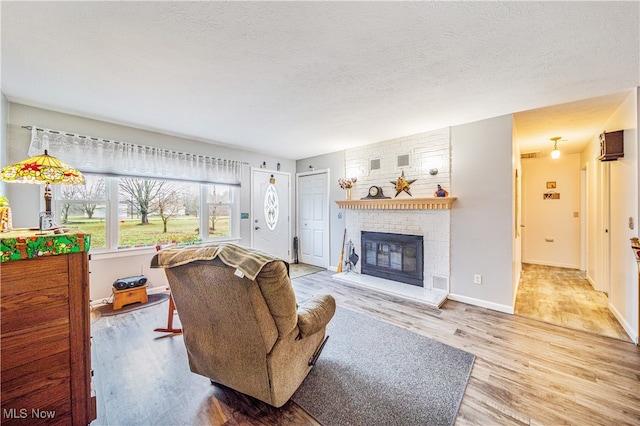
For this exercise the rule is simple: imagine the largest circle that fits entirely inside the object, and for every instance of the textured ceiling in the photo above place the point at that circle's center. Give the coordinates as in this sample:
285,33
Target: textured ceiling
305,78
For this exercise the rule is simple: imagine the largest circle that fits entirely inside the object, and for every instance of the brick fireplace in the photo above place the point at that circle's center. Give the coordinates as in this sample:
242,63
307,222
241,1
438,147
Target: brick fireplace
381,164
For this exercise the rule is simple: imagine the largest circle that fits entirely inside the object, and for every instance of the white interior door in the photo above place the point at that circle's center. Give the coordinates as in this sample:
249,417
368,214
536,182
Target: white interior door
313,219
270,209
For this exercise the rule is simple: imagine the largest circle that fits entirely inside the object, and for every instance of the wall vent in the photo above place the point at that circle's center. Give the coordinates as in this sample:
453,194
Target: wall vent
533,154
440,283
374,164
402,160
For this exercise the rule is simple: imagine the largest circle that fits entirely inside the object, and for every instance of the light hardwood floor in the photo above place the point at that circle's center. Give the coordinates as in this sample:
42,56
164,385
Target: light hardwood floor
527,372
564,297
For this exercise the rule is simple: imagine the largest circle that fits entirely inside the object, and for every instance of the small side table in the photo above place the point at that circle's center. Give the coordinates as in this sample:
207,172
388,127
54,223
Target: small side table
129,296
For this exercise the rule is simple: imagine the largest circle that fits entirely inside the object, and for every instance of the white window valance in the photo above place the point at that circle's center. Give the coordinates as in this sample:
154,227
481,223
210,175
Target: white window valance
97,155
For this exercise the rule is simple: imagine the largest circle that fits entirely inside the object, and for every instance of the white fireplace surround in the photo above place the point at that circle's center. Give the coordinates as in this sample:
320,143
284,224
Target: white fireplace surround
434,227
425,150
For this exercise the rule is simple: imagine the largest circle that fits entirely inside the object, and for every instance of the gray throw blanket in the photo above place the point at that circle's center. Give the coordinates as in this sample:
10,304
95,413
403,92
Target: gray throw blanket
248,261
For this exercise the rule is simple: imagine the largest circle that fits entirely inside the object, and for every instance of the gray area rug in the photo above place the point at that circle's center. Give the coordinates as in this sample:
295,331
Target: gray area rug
374,373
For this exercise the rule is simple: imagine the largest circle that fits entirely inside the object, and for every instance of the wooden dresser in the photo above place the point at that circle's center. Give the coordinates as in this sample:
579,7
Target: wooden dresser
45,349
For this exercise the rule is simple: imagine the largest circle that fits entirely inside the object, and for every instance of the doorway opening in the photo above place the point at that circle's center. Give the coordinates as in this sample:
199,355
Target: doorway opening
553,284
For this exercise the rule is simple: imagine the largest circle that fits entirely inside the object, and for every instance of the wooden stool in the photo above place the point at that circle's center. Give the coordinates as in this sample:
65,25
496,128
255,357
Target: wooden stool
129,296
172,309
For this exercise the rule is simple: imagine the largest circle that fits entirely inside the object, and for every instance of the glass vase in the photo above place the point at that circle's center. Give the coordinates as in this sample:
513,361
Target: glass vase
348,194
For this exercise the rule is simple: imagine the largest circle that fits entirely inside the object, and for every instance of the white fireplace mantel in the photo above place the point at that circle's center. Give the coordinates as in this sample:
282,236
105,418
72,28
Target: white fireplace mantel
430,203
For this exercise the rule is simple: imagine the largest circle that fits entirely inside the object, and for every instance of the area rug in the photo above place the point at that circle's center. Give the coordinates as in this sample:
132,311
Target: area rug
297,270
374,373
154,299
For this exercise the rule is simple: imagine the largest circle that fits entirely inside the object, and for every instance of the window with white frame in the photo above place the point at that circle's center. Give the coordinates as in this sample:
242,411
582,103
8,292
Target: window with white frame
127,212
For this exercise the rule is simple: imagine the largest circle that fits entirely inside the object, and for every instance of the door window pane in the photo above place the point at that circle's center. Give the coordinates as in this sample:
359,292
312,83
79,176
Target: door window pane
271,208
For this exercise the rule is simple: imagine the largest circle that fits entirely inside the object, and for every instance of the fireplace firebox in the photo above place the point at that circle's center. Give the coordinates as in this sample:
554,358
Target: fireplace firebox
396,257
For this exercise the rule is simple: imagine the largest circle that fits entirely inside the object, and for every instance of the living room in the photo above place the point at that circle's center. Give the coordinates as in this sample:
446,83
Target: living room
486,128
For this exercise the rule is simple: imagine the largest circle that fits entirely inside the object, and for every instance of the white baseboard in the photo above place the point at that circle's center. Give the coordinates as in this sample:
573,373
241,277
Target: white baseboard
482,303
633,334
333,268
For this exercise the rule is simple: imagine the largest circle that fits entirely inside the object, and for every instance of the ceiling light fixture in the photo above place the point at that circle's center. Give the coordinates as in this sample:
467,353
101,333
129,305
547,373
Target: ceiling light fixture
555,154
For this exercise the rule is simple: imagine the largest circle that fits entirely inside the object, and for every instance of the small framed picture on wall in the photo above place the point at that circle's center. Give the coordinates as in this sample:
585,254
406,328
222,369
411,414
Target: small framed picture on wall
551,185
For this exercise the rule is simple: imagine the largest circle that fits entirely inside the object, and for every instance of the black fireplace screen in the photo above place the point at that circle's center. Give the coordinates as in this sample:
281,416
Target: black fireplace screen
395,257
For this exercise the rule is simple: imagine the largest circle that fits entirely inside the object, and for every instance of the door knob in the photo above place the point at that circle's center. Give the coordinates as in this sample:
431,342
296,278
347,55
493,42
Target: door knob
256,228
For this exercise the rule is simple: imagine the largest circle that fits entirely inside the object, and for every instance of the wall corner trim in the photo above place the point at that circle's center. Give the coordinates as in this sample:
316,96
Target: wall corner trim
633,334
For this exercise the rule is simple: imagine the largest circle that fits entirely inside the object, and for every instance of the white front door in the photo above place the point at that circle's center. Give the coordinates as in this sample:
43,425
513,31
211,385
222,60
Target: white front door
313,219
270,212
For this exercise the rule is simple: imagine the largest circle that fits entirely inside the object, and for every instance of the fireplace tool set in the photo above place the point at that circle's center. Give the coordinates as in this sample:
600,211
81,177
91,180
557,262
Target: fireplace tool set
352,257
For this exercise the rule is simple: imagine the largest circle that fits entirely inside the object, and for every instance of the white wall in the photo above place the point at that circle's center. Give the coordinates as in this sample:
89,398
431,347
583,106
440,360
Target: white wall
551,235
106,268
482,223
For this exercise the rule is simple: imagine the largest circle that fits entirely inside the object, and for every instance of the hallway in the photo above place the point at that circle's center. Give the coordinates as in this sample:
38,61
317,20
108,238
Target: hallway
564,297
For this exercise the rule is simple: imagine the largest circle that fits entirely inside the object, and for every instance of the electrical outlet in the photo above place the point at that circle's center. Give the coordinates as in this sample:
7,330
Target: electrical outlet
477,279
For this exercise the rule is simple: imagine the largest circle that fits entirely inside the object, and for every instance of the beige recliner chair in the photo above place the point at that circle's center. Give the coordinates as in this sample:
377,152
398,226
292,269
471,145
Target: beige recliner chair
241,325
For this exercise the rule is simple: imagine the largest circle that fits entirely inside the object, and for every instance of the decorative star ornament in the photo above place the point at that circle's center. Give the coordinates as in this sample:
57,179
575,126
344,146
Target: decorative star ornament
403,185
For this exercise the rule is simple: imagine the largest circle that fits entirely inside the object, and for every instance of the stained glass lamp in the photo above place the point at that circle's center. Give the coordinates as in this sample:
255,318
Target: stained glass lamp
43,169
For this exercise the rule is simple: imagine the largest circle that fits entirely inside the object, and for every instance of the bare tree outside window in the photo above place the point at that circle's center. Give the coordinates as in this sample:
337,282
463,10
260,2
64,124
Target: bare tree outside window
213,209
92,191
141,194
67,193
168,204
191,203
218,199
213,217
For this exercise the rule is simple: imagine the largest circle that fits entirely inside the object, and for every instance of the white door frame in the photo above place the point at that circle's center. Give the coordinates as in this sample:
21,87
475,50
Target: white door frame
606,228
326,239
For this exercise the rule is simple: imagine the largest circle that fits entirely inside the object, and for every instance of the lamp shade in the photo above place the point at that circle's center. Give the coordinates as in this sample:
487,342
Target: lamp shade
42,169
